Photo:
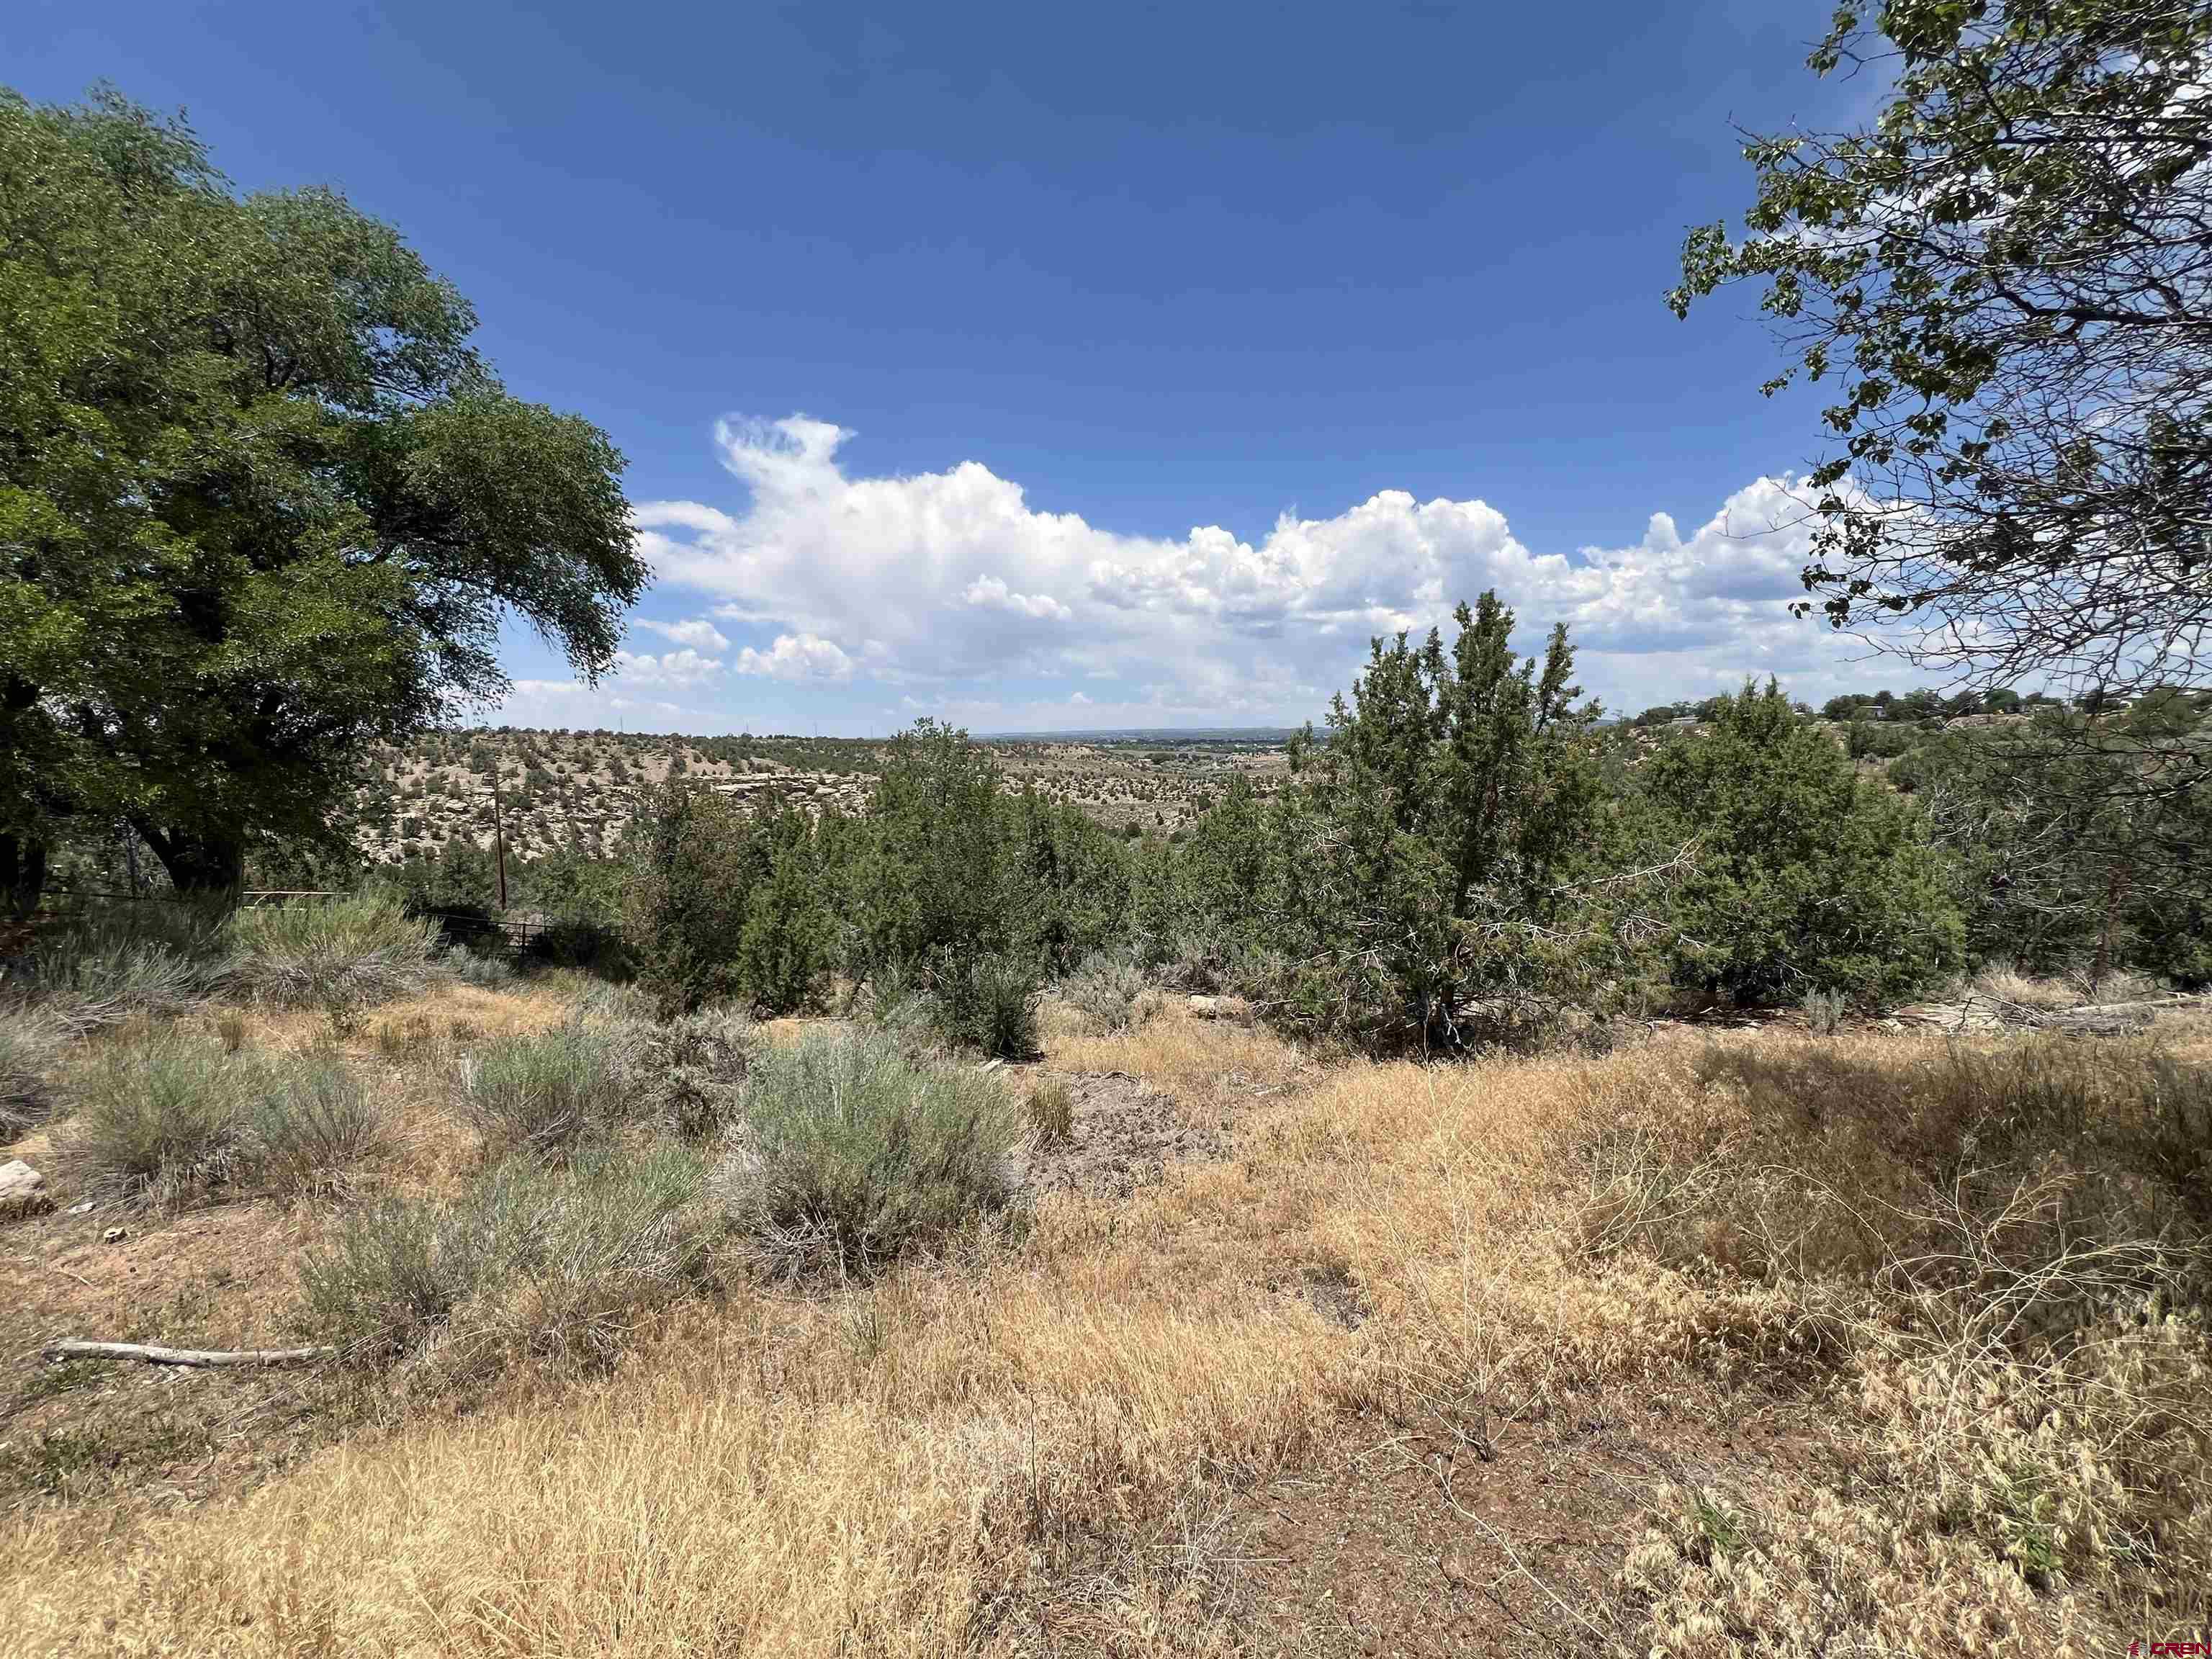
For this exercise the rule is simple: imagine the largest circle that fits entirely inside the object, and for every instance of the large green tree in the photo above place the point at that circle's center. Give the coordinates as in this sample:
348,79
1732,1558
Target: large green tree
1801,875
1424,855
261,502
2071,862
2007,278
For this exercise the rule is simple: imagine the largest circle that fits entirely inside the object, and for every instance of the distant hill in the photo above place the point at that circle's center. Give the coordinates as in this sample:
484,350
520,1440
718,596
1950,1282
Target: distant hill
577,791
1261,737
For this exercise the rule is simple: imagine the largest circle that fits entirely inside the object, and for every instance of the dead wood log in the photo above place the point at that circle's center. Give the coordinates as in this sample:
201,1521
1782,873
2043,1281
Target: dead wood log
153,1355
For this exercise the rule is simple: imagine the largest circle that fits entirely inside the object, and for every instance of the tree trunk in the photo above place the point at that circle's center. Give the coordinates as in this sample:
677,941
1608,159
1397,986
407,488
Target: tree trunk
23,871
2116,890
210,861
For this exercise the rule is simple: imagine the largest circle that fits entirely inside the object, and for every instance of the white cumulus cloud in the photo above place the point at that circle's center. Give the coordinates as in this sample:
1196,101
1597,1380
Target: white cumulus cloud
796,657
992,594
682,669
696,632
947,587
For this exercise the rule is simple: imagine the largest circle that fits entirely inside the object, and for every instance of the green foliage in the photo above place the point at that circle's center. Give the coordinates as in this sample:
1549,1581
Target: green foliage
547,1091
784,939
341,956
1803,876
693,864
1866,739
459,880
2002,276
726,905
529,1262
1228,883
1069,884
263,504
946,866
859,1154
985,1002
579,898
570,884
583,896
933,872
584,942
2079,839
1419,863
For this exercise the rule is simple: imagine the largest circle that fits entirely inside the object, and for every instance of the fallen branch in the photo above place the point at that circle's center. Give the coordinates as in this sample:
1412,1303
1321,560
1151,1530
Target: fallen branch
198,1356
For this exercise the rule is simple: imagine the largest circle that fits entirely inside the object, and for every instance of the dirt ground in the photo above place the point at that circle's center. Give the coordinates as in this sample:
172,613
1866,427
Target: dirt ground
1125,1134
1429,1539
132,1439
1420,1528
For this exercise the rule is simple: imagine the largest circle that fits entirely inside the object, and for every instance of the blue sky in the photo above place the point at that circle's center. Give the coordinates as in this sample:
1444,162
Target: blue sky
1062,366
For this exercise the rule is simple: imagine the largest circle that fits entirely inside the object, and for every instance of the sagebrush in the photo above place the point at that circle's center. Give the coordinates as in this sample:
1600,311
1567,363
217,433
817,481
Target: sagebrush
529,1260
856,1153
342,957
545,1092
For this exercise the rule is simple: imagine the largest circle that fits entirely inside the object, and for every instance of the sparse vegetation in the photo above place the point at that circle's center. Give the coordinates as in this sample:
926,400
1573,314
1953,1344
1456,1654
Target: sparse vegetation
162,1116
29,1044
341,957
316,1121
855,1154
1998,1434
1485,1177
1052,1113
548,1091
1112,994
107,970
691,1070
166,1117
530,1260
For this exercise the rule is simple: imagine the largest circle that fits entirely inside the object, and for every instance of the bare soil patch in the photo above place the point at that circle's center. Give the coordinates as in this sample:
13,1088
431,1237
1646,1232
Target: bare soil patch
140,1438
1126,1131
1447,1539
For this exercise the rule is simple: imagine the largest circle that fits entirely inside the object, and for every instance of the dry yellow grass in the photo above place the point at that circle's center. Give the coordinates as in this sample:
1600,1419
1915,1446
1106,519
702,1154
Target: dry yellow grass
1177,1051
2003,984
994,1452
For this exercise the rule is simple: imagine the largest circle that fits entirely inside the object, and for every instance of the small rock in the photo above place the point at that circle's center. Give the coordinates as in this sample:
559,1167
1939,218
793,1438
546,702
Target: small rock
84,1206
1454,1566
22,1190
114,1236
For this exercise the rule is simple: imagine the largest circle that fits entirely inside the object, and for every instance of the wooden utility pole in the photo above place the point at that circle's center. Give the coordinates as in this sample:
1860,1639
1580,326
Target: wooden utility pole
499,839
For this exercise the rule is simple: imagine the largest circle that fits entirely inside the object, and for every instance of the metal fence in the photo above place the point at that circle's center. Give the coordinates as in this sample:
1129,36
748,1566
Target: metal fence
472,928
